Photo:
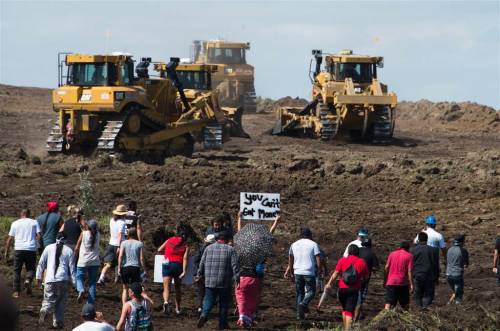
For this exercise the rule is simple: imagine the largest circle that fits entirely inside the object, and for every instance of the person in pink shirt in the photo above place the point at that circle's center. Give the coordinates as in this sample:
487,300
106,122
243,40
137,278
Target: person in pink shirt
399,280
350,271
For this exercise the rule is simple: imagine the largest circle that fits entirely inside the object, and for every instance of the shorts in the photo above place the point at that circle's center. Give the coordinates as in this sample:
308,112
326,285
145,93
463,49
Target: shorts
171,269
131,275
111,255
348,298
397,293
363,293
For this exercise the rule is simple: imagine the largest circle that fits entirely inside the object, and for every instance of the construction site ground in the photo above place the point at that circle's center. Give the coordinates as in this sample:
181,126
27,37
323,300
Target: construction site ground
444,160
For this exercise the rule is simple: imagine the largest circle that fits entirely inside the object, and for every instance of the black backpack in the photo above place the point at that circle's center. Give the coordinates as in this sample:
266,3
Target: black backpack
350,275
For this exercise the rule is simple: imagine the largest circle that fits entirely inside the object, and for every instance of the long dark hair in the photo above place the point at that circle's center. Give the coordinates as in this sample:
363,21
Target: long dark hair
93,235
59,247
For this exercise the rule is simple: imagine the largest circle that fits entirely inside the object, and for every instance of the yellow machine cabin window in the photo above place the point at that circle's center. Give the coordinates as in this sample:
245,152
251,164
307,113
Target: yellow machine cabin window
358,72
126,72
226,55
92,74
196,80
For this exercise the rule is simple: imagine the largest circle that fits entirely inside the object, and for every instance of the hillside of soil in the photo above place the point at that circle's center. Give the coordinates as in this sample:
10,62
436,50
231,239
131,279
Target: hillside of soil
334,188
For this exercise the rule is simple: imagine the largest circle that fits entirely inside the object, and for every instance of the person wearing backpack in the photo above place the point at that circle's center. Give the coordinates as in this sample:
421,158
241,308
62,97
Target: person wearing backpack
136,313
351,272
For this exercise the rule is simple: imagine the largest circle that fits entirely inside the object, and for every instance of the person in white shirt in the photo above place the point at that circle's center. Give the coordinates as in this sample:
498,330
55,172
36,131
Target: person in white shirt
435,239
56,262
362,237
304,259
25,232
117,232
92,320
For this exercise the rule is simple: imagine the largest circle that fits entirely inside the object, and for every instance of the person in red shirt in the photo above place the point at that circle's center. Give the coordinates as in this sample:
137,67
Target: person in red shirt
176,254
351,271
399,280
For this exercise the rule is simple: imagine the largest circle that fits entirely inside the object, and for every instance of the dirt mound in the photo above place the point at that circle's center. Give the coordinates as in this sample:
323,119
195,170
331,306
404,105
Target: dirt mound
29,99
461,117
266,105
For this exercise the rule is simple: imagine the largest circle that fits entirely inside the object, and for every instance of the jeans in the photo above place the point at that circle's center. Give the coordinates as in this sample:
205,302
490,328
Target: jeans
224,295
27,258
424,292
457,285
305,288
54,300
80,280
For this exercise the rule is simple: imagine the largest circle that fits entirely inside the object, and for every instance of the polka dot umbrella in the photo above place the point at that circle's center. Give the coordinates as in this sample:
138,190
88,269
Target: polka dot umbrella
253,244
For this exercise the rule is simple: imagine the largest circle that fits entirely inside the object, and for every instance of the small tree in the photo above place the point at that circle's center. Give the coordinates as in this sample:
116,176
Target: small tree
86,201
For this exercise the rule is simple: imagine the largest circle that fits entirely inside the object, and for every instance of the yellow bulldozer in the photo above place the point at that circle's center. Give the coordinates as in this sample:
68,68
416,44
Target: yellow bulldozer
346,97
102,105
234,78
196,80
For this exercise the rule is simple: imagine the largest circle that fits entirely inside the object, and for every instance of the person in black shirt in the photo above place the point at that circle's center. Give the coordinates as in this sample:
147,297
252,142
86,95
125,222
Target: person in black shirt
133,219
496,260
72,229
425,271
366,253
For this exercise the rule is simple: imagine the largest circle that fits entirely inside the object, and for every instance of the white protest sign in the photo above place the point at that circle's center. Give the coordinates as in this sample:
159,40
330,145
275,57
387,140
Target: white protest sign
259,206
188,278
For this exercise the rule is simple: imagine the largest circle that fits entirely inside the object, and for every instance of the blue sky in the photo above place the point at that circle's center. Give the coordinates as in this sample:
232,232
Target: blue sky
436,50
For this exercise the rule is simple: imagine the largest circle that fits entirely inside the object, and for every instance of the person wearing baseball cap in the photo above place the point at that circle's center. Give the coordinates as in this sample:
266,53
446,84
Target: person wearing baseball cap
117,233
92,320
362,237
434,238
457,260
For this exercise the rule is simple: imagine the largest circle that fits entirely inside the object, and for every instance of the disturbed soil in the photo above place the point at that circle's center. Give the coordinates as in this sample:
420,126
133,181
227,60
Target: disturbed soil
445,159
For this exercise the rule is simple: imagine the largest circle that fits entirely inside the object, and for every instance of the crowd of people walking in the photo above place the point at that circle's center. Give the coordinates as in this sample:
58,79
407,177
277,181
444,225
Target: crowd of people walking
231,258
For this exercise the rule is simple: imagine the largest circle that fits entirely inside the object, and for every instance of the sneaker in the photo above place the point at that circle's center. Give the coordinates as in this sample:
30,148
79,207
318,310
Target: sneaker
79,299
15,295
201,321
177,312
200,310
101,282
56,326
300,312
27,287
166,308
41,319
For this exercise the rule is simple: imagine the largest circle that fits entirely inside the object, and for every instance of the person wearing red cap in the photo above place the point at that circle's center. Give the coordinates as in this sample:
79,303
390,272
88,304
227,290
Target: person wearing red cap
50,222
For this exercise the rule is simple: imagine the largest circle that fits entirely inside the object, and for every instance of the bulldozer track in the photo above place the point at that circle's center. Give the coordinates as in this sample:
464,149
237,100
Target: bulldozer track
107,140
329,126
382,126
212,136
55,140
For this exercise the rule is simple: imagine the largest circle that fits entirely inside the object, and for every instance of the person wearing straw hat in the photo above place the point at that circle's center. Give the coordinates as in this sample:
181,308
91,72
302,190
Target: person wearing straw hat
117,232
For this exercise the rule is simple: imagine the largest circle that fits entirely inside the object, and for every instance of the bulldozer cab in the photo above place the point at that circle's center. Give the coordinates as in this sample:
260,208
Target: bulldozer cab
219,52
96,70
196,76
360,68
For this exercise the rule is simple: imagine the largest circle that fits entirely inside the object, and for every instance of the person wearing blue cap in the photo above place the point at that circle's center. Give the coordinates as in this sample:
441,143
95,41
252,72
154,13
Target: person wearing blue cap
92,320
362,237
435,239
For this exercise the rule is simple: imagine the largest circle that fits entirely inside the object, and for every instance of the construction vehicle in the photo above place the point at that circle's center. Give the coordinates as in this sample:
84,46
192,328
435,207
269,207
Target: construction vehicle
196,80
346,97
234,78
101,105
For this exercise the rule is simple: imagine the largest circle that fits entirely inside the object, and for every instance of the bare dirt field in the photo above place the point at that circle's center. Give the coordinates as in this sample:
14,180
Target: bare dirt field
445,159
